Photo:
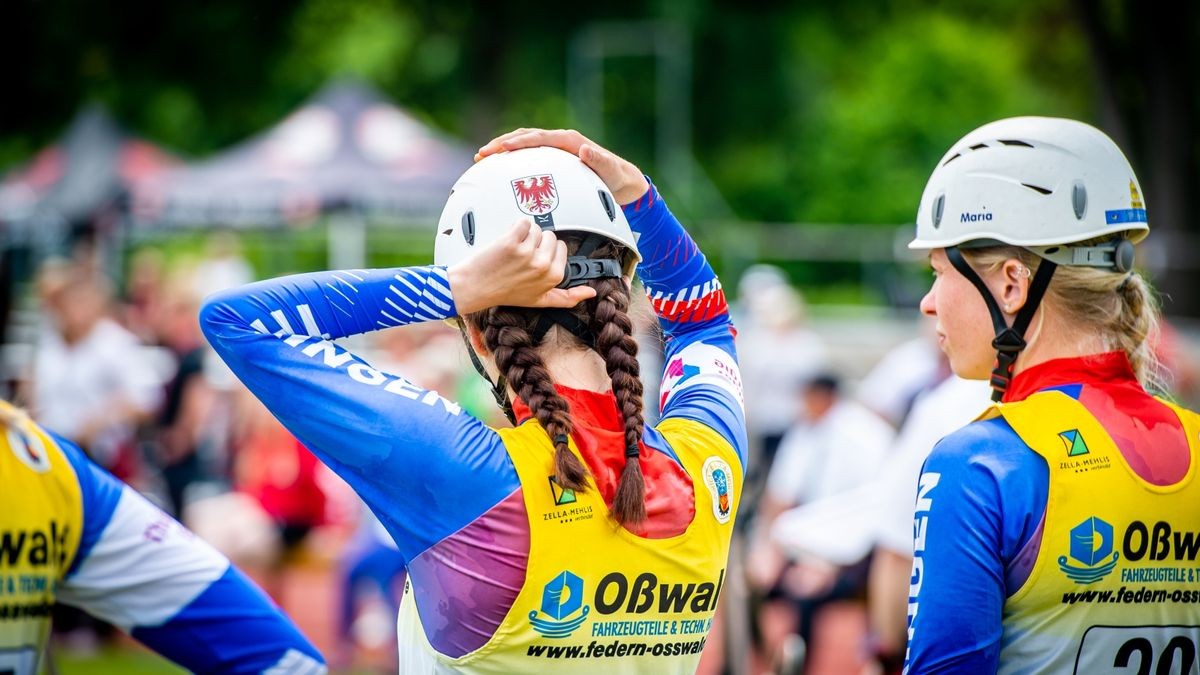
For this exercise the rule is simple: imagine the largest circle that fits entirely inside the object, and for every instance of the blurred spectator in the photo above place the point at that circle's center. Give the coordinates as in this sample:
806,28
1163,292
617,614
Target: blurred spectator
223,265
271,466
838,447
143,294
188,404
777,353
890,388
90,379
1178,368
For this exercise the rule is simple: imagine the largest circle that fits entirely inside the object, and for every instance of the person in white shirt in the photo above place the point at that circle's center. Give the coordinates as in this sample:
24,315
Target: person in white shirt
90,380
838,448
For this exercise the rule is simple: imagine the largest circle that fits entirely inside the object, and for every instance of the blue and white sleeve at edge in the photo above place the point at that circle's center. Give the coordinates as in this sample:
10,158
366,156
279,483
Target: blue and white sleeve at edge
139,569
425,467
980,497
701,379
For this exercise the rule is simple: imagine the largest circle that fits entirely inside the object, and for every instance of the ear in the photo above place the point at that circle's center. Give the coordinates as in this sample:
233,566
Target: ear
1014,278
476,339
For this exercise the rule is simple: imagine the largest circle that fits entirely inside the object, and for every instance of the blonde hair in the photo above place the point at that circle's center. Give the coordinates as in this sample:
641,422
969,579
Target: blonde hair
1121,308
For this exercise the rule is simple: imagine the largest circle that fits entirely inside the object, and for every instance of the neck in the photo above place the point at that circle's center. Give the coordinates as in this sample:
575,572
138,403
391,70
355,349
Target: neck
1049,339
577,369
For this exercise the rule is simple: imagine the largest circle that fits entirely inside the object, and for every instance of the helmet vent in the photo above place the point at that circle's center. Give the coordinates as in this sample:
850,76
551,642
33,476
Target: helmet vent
1022,144
956,156
939,205
1079,199
607,202
1035,188
979,146
468,227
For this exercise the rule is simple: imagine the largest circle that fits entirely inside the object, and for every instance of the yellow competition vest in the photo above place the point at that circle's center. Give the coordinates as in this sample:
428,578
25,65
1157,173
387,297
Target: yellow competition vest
597,598
1115,587
41,518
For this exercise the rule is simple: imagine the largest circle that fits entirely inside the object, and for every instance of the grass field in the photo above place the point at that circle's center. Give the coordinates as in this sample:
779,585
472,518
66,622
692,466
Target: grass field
113,662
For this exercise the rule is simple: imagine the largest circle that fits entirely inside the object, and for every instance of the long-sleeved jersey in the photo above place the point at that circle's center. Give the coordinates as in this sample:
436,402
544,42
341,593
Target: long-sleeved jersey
1057,533
71,532
455,494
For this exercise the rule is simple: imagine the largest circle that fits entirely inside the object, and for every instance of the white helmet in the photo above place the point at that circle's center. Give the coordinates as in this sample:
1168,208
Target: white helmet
550,186
1036,182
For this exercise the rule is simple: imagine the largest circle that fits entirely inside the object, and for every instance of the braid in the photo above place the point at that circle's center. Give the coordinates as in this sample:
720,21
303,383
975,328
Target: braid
506,334
615,343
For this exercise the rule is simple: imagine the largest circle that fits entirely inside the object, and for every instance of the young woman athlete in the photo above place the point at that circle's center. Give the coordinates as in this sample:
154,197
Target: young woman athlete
1059,532
580,540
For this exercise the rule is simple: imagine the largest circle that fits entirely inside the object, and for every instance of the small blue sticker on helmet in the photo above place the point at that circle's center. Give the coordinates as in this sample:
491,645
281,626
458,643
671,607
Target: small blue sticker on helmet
1125,216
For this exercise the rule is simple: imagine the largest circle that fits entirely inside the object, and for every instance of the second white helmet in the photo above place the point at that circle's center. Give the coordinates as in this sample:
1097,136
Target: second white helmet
553,188
1037,182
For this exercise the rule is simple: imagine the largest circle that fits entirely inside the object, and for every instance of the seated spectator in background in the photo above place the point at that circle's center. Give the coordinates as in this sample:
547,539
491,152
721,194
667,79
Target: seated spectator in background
839,447
90,381
75,535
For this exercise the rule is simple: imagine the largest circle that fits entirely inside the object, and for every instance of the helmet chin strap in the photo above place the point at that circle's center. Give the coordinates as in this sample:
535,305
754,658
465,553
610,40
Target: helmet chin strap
1009,340
499,386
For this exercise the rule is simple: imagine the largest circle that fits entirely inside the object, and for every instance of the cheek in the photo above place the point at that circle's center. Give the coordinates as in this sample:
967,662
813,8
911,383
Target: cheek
968,327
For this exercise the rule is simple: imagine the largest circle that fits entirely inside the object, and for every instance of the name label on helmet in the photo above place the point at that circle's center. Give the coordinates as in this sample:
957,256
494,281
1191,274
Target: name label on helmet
975,217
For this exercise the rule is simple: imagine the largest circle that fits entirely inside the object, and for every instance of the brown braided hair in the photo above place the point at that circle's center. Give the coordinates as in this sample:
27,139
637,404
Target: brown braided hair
508,334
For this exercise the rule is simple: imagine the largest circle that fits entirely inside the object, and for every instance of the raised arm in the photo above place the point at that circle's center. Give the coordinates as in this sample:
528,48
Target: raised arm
702,380
392,440
139,569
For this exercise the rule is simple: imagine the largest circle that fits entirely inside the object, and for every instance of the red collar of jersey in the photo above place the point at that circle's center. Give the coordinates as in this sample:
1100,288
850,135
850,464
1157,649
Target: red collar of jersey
600,436
1108,367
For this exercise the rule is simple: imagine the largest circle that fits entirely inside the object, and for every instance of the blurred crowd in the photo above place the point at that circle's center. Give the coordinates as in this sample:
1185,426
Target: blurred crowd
824,548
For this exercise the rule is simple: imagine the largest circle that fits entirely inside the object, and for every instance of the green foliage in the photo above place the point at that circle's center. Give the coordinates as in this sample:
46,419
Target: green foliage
809,112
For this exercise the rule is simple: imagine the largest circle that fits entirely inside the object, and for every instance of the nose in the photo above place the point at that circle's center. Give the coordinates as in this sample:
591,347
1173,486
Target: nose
928,305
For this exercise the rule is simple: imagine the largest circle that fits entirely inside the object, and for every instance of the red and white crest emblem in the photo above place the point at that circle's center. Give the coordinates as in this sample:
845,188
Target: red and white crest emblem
536,195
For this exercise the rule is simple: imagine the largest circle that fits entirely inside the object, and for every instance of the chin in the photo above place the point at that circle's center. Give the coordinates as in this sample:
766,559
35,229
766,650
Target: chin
970,369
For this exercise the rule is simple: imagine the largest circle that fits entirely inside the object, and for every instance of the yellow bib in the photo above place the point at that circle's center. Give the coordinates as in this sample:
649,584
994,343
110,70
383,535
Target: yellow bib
597,598
1115,587
41,518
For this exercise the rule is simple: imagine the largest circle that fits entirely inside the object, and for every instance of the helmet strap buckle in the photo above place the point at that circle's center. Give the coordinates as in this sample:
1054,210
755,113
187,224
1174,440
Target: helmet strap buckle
1009,340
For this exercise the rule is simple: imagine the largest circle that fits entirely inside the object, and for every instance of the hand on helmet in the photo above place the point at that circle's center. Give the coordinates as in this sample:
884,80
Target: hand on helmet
623,179
522,269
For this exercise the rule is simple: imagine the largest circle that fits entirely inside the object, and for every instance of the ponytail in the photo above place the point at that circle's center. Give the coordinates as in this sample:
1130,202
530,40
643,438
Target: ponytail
1136,330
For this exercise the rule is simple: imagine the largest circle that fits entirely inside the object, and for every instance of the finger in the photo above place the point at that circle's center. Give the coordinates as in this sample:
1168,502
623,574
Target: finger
566,297
563,139
623,179
518,232
529,244
493,146
603,162
543,254
560,258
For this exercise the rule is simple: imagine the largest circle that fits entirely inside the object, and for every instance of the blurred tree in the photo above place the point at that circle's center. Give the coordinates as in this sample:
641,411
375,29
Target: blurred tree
802,111
1144,56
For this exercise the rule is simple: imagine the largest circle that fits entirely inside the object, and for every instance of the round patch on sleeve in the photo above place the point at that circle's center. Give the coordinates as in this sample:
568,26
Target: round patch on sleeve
719,479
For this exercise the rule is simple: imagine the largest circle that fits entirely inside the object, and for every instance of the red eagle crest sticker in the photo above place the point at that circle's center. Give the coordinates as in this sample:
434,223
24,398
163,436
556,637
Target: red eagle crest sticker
536,195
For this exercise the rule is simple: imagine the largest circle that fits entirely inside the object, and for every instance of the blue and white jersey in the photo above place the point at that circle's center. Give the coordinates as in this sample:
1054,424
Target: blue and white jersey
71,532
